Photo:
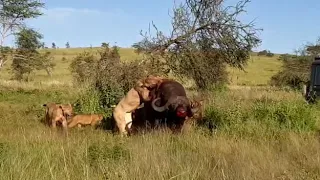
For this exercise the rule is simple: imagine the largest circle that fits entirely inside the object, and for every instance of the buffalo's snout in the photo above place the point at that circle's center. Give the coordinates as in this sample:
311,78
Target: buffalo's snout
181,112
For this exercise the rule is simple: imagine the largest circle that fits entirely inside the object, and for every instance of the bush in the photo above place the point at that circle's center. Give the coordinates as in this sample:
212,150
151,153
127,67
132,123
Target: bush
286,115
262,117
108,78
83,67
295,70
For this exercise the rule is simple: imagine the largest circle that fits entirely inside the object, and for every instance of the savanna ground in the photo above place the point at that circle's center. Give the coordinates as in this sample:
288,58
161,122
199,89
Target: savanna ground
263,133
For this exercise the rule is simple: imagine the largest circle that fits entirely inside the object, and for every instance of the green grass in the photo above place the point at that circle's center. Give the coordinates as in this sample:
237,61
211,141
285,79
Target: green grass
258,71
263,133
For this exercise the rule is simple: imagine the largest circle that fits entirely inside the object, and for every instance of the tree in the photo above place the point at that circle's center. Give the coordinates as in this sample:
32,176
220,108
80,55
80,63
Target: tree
13,14
205,37
26,58
296,68
265,53
28,39
104,44
43,45
53,45
312,49
45,61
67,45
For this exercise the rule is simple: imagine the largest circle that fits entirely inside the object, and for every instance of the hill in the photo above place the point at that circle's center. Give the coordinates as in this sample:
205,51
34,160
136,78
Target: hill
258,71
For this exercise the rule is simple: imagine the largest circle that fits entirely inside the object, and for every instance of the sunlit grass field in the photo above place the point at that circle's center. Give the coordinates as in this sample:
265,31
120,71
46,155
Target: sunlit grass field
262,133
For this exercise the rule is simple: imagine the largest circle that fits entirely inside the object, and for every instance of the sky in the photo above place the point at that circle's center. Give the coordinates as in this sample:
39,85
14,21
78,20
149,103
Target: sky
286,24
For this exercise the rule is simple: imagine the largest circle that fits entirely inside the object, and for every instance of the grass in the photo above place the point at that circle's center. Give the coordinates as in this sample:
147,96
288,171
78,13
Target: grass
263,133
258,71
246,149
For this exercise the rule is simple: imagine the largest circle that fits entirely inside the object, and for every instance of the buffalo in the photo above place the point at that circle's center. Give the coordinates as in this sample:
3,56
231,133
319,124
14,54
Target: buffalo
169,106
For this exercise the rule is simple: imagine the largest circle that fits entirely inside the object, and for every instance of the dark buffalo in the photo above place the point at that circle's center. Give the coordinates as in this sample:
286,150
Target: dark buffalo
169,106
172,104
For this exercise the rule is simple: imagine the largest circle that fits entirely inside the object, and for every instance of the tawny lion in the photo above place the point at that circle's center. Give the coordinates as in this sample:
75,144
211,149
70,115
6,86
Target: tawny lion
57,113
85,119
132,100
197,110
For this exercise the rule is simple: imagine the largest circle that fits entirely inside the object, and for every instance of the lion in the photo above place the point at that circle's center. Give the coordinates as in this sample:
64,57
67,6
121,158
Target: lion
58,113
197,110
133,100
49,109
85,119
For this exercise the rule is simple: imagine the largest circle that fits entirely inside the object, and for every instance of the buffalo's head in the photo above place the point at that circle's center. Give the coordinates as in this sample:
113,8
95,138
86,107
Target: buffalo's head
180,105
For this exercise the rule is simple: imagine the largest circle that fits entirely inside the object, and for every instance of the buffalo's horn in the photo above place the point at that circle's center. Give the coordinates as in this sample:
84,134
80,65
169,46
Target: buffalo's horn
157,108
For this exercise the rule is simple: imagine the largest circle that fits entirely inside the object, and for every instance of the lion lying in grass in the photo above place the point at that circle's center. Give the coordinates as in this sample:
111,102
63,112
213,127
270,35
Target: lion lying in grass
85,119
132,100
57,113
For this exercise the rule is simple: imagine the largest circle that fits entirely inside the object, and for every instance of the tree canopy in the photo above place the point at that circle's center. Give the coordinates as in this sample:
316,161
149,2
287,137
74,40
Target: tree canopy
205,37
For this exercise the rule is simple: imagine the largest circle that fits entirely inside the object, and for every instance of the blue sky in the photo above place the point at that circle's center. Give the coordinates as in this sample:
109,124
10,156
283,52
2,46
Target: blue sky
287,24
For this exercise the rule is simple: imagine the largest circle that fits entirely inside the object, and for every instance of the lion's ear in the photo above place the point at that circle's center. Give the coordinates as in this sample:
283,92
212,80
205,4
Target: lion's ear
139,83
192,102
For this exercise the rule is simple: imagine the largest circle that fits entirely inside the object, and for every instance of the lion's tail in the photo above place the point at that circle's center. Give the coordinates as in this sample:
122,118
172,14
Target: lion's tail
45,105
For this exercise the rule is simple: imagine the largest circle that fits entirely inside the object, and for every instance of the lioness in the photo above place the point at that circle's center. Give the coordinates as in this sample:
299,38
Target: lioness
49,109
58,113
132,100
197,110
85,119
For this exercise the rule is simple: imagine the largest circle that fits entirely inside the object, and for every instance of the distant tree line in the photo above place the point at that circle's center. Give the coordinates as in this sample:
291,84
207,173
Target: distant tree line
265,53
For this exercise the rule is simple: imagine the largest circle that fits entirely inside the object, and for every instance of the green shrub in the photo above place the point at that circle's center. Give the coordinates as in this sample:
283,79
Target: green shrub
88,102
261,117
286,115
